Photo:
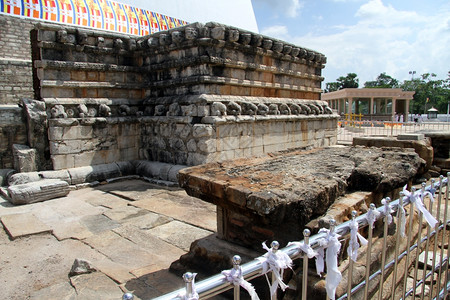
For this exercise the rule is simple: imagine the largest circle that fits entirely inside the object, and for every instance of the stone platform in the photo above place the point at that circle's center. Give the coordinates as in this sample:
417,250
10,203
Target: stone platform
275,196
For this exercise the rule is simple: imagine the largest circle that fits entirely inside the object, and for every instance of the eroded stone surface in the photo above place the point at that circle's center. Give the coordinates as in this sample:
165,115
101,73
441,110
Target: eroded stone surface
277,195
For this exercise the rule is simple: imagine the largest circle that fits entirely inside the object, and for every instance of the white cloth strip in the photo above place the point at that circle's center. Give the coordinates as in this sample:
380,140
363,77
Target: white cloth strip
416,198
353,245
275,262
387,211
235,276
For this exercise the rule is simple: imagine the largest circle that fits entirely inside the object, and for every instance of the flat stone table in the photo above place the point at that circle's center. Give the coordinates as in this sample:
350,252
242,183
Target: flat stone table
274,196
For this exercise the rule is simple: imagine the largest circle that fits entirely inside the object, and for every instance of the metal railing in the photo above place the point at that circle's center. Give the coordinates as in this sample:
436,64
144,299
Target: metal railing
428,241
348,129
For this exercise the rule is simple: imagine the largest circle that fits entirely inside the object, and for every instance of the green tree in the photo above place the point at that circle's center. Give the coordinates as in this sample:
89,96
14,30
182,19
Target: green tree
343,82
430,92
382,81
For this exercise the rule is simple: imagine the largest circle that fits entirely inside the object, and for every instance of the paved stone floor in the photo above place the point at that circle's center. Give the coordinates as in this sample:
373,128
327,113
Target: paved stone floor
131,231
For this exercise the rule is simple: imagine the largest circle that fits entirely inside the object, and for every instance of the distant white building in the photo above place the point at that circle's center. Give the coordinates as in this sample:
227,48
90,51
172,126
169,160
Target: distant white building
237,13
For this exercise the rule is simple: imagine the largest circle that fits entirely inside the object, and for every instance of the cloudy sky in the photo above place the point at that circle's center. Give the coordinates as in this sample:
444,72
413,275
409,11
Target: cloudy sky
366,37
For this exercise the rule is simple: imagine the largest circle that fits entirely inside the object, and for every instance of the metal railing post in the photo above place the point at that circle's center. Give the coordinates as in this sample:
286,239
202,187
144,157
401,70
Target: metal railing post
383,254
188,279
427,245
368,255
408,243
419,237
275,246
306,234
350,267
237,265
397,241
444,235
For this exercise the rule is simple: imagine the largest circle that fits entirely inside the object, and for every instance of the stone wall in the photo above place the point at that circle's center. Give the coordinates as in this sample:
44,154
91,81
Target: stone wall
12,131
15,59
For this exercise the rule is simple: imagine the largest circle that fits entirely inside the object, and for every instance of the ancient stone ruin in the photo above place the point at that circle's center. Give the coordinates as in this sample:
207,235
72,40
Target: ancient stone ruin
187,96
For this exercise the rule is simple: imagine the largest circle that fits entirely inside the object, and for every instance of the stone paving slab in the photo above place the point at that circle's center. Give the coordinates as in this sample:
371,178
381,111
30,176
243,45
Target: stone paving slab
99,223
182,207
133,190
179,234
163,252
59,291
96,286
120,250
18,225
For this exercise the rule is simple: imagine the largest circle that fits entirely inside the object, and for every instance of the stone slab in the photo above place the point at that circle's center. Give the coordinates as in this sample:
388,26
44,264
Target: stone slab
95,286
164,253
18,225
411,137
134,190
120,250
59,291
180,206
99,223
179,234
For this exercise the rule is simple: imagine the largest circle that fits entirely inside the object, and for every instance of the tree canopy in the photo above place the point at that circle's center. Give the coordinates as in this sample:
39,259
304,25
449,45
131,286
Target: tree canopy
343,82
382,81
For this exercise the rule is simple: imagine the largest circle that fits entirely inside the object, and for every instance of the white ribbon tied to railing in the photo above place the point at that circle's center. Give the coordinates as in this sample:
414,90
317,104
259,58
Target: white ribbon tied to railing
275,262
235,276
372,216
387,210
416,198
353,245
307,249
194,295
333,246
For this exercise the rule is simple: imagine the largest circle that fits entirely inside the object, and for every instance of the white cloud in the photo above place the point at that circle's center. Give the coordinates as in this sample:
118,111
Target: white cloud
289,8
277,31
385,40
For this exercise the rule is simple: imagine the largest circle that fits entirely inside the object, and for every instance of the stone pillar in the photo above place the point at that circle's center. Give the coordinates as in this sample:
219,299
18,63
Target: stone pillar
371,106
350,104
407,110
24,158
394,108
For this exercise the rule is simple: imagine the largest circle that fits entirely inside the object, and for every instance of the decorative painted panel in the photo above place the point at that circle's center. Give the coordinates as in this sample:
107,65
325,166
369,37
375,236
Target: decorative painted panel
100,14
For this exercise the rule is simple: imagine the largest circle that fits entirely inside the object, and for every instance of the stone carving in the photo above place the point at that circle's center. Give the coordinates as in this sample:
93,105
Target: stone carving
303,53
82,111
249,108
234,109
287,49
328,110
164,39
190,33
177,37
58,111
218,109
100,42
284,109
104,110
160,110
267,44
263,109
233,35
245,38
61,36
295,51
70,113
218,33
92,112
314,109
277,47
118,44
149,111
132,44
305,109
256,40
81,37
295,109
124,110
174,110
273,109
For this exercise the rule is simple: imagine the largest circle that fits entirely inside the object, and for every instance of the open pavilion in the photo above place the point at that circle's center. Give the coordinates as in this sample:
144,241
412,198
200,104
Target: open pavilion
372,103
